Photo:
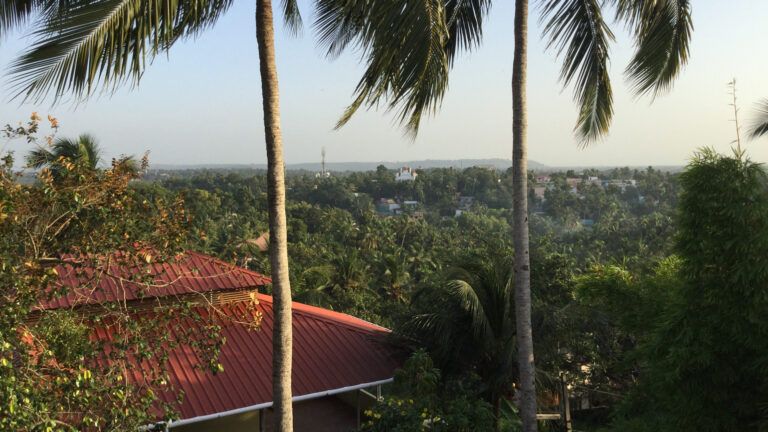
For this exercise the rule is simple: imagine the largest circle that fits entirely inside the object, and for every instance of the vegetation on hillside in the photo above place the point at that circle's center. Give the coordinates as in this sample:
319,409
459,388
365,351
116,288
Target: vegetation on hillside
647,298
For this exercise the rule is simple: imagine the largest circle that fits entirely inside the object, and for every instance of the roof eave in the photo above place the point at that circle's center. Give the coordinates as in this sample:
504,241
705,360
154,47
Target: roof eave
178,423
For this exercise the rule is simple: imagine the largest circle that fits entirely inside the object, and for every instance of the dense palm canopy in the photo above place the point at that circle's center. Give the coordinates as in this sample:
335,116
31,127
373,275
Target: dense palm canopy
411,77
760,124
409,46
472,324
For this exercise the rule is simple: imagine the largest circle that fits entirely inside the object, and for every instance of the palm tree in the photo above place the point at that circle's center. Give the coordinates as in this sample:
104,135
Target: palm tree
83,152
102,43
394,275
473,325
760,124
314,285
409,48
341,284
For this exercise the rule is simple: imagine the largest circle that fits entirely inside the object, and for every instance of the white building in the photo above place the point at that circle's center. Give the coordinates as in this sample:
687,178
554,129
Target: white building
405,174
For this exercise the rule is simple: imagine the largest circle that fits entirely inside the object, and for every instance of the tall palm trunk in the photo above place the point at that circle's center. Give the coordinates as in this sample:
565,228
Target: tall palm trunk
278,245
520,223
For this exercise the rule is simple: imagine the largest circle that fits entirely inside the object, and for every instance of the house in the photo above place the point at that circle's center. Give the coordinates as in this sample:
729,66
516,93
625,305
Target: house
573,182
405,174
620,184
387,207
539,192
466,202
339,362
261,242
410,205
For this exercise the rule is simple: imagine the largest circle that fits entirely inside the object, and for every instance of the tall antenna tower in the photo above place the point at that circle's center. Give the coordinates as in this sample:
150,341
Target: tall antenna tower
322,161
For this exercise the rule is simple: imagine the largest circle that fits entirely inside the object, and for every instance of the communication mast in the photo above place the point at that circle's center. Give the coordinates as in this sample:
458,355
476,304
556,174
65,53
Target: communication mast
322,162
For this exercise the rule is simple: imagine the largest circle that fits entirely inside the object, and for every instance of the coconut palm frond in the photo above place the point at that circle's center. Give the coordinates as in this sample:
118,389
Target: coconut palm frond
469,300
292,16
759,125
96,44
84,150
89,150
39,158
437,332
127,164
577,31
662,31
314,285
403,45
465,24
471,322
14,13
338,24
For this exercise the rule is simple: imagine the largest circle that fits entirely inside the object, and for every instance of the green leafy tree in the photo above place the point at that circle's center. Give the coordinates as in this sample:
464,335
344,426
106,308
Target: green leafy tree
423,401
83,45
55,373
618,311
706,361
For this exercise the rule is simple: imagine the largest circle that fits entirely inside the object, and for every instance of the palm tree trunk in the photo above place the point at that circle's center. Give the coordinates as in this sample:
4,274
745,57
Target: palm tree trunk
520,221
278,244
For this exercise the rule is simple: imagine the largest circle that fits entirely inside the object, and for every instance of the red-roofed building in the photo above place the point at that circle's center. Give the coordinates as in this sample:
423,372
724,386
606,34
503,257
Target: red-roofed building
339,362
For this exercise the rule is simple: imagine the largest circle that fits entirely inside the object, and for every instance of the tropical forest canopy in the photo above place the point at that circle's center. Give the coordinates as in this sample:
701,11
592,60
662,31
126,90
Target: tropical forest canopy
648,283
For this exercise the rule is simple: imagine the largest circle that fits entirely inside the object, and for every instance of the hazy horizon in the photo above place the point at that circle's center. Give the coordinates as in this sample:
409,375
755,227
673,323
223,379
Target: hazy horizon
395,164
202,104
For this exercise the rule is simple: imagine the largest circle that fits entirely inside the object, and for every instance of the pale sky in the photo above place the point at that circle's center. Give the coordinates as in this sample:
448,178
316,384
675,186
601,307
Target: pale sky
202,104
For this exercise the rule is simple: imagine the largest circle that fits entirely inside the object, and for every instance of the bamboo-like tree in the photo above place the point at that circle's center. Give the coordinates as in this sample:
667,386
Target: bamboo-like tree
84,45
410,45
759,125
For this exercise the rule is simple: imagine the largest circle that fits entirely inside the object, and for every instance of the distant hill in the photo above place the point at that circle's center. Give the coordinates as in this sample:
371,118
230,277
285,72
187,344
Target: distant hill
501,164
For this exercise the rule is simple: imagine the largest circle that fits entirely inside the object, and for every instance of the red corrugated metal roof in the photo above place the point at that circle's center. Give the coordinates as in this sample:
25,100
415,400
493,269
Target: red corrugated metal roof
192,273
331,350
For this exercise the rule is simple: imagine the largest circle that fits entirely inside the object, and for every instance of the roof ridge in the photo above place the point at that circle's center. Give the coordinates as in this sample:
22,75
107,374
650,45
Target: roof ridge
228,264
191,273
331,316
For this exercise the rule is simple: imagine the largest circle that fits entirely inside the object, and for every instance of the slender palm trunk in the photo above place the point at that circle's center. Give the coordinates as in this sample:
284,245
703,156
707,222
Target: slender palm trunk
520,223
278,244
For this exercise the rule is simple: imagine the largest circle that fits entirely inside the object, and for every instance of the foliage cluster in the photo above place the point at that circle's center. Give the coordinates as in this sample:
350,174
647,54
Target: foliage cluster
423,401
703,364
56,373
399,270
599,293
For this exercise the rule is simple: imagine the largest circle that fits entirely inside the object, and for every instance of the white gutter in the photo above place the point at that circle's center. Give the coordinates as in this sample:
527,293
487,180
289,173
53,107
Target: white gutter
172,424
